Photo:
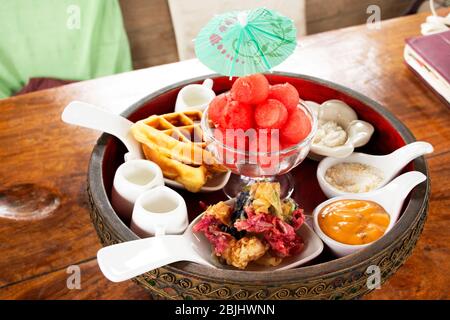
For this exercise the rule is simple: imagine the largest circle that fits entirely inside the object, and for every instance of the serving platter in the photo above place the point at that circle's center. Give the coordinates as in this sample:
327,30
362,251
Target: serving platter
326,276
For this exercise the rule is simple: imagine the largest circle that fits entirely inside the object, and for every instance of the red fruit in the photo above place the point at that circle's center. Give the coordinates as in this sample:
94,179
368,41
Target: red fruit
237,116
226,137
216,108
286,94
233,138
297,127
267,143
271,114
286,145
251,89
267,140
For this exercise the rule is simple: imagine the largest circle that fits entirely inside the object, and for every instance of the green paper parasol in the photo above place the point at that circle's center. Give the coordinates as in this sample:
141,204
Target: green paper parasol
245,42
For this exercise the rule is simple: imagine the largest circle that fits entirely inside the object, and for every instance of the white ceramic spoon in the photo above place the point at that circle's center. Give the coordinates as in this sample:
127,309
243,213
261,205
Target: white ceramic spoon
92,117
390,197
126,260
389,165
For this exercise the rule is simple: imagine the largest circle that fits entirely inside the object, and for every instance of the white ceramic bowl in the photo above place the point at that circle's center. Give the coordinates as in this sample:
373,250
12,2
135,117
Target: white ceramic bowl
159,211
131,179
390,197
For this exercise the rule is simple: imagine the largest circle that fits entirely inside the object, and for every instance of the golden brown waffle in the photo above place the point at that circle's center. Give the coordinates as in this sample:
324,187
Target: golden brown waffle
174,142
183,126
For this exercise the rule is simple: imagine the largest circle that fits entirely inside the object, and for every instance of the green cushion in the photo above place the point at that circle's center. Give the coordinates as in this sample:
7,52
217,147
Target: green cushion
65,39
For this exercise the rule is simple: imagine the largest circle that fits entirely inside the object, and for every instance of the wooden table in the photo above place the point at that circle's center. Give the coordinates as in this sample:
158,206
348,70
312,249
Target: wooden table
37,148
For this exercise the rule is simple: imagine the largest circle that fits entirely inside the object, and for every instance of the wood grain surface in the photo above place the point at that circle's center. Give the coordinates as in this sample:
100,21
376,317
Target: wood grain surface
38,149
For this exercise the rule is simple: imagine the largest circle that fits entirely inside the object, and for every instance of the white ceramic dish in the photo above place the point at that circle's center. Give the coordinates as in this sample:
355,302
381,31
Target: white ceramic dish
390,197
389,165
358,132
126,260
92,117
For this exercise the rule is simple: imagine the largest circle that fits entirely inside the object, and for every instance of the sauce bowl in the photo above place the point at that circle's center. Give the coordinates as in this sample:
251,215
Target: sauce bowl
159,211
390,197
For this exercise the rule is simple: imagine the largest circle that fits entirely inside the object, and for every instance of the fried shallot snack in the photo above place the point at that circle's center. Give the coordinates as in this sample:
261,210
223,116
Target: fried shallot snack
240,253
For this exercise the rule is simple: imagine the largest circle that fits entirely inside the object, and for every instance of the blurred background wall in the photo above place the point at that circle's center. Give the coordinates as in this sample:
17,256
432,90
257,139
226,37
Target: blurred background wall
152,39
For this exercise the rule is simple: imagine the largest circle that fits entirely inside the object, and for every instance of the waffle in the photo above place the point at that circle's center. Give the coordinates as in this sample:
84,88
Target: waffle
183,126
175,142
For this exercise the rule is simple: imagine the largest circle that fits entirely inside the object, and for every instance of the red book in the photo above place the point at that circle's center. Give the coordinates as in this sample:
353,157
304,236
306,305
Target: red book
429,57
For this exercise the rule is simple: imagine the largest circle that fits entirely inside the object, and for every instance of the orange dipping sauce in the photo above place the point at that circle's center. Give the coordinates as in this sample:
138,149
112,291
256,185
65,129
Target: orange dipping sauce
354,221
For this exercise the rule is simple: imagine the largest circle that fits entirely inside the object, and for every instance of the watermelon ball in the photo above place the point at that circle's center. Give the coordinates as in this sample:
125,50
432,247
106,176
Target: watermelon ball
237,115
266,140
216,108
226,137
252,89
286,94
233,140
286,145
271,114
297,128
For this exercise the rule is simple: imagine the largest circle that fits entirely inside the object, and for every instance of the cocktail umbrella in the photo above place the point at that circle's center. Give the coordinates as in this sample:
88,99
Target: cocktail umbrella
245,42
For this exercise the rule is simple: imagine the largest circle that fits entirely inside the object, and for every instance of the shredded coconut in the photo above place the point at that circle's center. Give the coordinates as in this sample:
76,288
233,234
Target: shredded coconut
354,177
330,134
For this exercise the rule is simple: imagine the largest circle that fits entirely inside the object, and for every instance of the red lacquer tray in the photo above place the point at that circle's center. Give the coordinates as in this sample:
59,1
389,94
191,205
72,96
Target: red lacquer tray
325,276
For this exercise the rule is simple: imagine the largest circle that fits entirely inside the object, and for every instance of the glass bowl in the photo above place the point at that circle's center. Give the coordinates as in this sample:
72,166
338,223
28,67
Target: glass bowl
250,163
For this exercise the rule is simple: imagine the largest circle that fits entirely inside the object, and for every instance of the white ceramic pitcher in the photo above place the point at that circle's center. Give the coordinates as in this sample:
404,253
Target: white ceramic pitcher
195,96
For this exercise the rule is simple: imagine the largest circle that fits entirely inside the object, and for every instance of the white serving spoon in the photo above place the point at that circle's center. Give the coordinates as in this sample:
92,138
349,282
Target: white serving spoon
389,165
126,260
92,117
390,197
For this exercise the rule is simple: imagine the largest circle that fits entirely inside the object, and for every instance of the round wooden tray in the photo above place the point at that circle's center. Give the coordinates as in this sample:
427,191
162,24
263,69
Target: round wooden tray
325,277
